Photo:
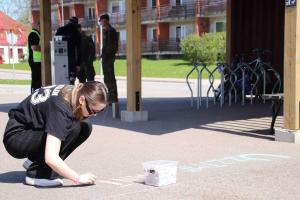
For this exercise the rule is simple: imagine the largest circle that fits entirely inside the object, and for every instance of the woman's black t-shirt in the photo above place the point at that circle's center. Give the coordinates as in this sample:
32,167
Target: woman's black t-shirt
45,110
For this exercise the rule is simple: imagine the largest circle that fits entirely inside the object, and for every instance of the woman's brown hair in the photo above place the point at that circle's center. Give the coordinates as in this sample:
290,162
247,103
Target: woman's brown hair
93,91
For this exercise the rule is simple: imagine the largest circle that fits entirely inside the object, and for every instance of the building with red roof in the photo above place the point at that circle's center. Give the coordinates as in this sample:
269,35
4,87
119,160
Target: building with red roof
10,28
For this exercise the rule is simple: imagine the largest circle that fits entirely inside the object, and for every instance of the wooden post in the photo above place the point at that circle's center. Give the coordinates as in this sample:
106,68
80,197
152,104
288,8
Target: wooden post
46,34
228,31
292,67
133,52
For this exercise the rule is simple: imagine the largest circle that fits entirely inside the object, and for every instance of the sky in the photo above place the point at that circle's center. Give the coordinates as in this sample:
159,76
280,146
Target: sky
14,8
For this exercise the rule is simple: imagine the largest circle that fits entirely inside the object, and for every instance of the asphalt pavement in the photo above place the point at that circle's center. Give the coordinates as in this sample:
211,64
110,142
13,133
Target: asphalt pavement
222,153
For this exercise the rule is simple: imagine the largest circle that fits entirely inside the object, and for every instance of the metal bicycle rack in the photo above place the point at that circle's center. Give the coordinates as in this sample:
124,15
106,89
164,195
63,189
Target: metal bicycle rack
277,84
220,68
233,83
187,81
211,80
245,67
232,80
199,83
204,67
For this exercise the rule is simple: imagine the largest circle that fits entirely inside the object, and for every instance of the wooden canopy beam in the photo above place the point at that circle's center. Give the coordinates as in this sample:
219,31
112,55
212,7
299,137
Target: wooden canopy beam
46,34
133,52
228,30
291,133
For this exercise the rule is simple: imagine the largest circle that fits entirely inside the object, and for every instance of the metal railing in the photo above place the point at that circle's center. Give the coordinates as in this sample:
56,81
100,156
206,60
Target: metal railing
117,18
84,22
87,23
148,14
180,11
149,46
171,45
212,7
153,47
35,3
166,11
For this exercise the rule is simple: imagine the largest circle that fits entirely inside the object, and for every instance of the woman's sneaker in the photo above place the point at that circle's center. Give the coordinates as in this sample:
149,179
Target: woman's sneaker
27,164
43,182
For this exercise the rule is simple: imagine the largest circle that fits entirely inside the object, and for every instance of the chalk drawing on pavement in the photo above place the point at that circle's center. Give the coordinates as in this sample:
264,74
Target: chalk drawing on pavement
198,167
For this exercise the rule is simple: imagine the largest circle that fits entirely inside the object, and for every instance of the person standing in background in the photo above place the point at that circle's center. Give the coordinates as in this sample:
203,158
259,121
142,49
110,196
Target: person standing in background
35,56
87,71
71,33
109,50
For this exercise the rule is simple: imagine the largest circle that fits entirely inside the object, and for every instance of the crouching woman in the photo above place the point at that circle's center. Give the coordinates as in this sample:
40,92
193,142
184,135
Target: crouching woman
47,126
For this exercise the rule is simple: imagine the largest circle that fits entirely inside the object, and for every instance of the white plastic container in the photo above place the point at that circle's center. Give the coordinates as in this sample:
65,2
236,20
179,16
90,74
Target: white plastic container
160,172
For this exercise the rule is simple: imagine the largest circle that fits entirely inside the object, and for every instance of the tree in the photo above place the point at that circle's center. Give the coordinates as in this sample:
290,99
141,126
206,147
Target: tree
190,46
17,9
208,48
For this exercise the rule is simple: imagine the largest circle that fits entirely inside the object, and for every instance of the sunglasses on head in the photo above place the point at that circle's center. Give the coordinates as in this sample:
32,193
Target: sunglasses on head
91,111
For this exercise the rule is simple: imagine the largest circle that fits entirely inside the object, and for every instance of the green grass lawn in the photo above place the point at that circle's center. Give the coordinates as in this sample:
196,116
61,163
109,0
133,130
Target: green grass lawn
18,66
163,68
15,82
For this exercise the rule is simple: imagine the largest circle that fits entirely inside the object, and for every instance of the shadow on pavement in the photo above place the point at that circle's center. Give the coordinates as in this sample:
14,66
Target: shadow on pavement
168,115
6,107
13,177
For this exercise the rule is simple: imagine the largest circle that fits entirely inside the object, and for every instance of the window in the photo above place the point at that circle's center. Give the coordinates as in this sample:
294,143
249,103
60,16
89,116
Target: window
20,54
178,2
220,26
10,52
94,37
153,3
122,35
1,55
91,12
54,16
154,34
115,7
178,33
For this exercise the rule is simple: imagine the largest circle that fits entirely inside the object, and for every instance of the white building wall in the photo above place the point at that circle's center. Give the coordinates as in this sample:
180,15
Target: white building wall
186,29
15,58
213,21
86,9
173,2
121,4
6,60
149,32
122,35
189,29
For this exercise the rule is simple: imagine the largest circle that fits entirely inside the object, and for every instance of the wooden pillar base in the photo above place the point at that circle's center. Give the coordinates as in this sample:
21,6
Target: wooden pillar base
285,135
136,116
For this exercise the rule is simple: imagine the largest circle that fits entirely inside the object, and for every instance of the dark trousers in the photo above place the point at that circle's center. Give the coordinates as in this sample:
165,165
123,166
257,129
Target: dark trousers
36,76
109,77
72,74
28,143
87,72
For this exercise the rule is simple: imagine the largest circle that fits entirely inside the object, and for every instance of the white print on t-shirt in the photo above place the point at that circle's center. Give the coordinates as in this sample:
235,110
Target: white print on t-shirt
39,97
57,90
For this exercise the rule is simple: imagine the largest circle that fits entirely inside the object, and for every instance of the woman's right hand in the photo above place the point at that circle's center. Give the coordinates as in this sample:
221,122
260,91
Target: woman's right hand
86,179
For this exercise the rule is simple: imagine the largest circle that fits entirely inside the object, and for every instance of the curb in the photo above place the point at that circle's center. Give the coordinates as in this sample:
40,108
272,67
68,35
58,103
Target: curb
120,78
